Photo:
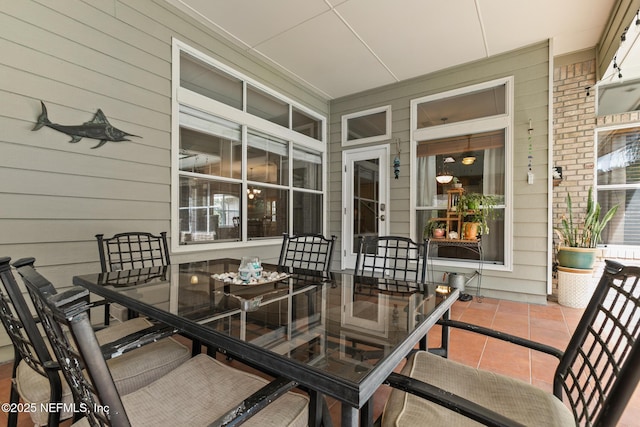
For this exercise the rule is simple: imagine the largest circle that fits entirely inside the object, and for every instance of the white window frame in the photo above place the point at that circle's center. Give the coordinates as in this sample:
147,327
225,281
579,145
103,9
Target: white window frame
502,121
382,137
182,96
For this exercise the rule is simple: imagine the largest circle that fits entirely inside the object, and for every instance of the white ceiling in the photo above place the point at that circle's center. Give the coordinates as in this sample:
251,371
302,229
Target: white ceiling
340,47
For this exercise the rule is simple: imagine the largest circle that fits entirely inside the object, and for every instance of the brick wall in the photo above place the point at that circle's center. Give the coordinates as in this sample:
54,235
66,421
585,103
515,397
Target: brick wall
574,124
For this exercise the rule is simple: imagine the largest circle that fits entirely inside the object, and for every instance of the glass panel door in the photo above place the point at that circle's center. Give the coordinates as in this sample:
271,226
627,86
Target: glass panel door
364,198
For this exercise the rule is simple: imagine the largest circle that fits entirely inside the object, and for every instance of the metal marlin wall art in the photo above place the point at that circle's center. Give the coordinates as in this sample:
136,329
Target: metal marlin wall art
98,128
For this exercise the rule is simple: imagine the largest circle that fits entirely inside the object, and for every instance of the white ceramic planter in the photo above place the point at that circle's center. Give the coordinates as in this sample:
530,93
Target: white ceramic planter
575,287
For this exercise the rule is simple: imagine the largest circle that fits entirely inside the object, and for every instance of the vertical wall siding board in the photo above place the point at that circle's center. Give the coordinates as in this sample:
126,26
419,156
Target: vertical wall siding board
530,68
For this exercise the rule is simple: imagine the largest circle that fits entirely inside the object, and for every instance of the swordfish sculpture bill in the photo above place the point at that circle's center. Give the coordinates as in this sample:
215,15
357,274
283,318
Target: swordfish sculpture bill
98,128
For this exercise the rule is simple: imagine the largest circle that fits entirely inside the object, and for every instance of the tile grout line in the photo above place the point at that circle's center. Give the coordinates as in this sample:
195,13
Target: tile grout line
486,340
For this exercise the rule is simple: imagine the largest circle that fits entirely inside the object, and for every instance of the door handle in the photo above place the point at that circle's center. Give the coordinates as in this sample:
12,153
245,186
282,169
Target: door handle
381,217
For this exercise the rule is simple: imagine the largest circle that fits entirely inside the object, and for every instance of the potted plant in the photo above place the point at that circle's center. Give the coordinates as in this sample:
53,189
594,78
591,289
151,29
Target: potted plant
435,228
477,209
579,238
456,183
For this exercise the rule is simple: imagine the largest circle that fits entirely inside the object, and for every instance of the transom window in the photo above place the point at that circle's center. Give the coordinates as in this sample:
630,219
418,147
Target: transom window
366,126
248,161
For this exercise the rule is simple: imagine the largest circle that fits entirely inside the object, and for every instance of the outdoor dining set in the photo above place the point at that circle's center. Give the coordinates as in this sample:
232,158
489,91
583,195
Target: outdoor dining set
228,341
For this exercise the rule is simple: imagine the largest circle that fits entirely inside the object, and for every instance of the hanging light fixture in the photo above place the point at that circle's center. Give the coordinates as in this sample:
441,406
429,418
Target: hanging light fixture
252,192
444,177
468,157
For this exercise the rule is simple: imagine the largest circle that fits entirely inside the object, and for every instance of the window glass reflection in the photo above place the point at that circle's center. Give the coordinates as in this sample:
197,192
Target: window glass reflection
367,126
267,210
305,124
619,156
209,210
267,159
307,169
468,106
268,107
209,81
477,161
307,212
209,154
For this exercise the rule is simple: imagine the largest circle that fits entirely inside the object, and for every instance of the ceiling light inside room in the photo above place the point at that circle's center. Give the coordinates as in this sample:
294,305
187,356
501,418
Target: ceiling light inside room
445,177
468,157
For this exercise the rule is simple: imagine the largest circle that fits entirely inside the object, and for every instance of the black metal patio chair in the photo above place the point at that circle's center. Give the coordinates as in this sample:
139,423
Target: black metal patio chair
136,249
202,391
36,377
596,375
390,257
306,252
128,251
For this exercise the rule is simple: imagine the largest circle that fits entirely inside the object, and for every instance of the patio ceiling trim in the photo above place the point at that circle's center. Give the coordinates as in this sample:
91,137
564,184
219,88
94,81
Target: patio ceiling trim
621,16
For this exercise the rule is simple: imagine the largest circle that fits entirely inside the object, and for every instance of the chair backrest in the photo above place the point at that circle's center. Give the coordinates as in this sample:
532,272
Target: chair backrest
600,368
28,344
310,252
20,323
126,251
392,257
68,309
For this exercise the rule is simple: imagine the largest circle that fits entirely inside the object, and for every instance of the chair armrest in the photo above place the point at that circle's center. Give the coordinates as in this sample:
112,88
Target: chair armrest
254,403
502,336
136,340
99,303
449,400
52,365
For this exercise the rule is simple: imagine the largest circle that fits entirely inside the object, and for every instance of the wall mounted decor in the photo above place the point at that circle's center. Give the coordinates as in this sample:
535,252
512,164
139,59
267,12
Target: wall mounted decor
98,128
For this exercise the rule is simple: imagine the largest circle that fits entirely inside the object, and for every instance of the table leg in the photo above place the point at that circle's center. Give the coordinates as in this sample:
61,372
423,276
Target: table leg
423,342
316,408
366,414
349,416
445,334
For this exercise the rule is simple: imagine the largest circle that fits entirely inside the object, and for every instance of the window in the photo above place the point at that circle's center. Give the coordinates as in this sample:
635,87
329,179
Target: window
248,162
367,126
618,97
618,183
464,133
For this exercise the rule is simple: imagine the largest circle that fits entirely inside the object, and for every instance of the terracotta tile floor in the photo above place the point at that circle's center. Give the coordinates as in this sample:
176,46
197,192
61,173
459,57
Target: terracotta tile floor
551,324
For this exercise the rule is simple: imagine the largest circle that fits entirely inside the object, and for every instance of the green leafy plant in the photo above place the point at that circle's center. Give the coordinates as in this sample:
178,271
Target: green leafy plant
478,208
586,234
433,224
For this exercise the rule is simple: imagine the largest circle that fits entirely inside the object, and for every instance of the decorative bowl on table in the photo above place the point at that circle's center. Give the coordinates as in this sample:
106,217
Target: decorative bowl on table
262,278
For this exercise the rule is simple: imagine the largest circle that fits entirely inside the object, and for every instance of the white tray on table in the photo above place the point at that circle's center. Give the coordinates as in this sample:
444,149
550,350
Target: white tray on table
232,278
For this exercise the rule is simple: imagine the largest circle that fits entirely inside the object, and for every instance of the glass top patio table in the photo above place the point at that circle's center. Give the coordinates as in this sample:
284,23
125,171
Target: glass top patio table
337,334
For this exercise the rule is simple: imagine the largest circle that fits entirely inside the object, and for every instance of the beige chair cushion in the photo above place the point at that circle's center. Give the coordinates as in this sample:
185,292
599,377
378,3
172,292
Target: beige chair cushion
510,397
130,371
200,391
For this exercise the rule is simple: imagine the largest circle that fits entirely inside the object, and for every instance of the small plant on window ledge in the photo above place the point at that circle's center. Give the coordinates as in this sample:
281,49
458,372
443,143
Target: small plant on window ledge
434,228
477,209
